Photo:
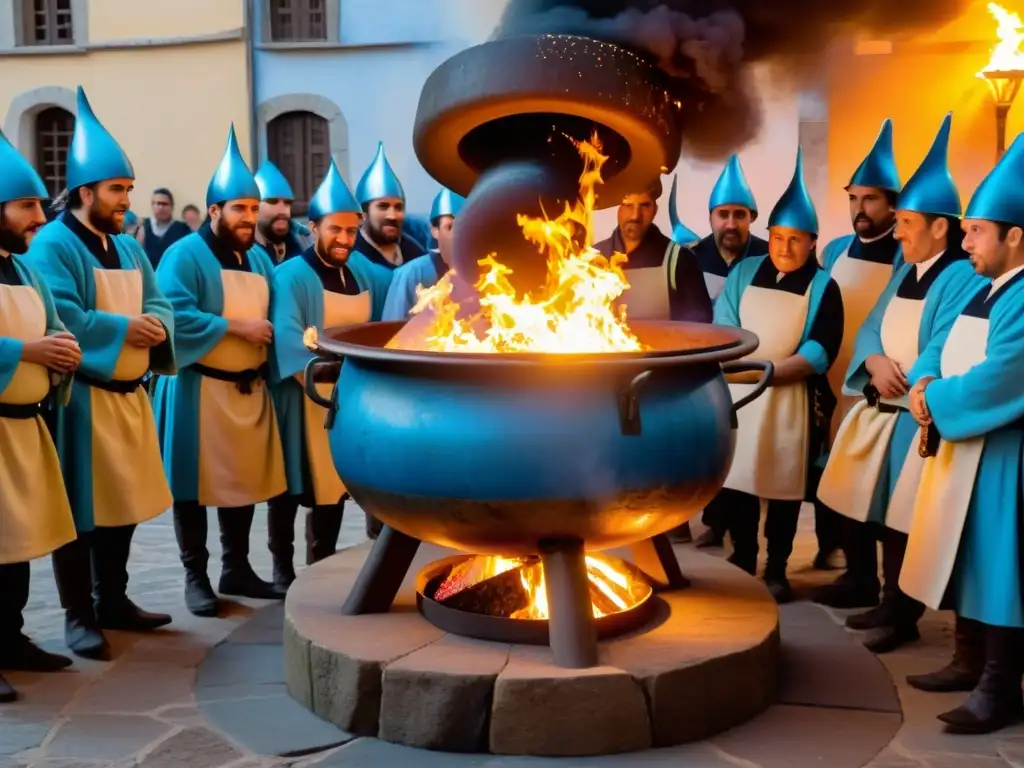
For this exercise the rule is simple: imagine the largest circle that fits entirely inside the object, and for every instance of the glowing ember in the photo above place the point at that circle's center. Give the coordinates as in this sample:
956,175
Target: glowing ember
574,312
1006,56
612,588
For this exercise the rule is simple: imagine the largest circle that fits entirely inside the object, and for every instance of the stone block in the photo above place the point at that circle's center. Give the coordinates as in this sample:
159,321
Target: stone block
439,697
119,690
231,664
346,691
297,666
541,709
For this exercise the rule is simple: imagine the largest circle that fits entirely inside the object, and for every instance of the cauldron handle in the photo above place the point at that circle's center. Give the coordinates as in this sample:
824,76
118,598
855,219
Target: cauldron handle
309,377
742,366
629,405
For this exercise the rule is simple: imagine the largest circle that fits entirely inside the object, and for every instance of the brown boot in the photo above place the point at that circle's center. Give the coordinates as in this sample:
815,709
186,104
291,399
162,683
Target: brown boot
962,673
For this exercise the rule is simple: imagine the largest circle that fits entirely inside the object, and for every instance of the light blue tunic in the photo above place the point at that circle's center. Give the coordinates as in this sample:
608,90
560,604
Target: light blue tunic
376,277
402,294
952,289
189,276
64,262
298,304
988,400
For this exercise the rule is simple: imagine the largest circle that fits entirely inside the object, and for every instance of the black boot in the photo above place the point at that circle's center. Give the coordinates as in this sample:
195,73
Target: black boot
858,587
828,527
237,578
17,652
373,527
780,532
111,550
323,525
776,581
73,572
190,529
964,671
899,613
996,702
744,521
7,692
281,512
709,539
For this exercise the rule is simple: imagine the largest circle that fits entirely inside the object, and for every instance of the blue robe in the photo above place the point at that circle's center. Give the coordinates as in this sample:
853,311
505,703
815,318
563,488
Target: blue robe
298,288
63,259
401,296
189,276
945,289
987,400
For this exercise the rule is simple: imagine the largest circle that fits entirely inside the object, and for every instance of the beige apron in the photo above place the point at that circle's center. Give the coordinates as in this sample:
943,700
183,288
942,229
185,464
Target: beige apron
770,460
35,517
714,283
129,485
240,457
946,483
647,297
858,452
339,309
861,283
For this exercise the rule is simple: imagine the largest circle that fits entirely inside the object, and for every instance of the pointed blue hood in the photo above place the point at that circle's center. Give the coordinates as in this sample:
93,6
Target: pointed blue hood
681,233
379,180
732,188
333,196
931,189
272,183
446,203
233,180
795,208
18,179
94,154
1000,196
878,169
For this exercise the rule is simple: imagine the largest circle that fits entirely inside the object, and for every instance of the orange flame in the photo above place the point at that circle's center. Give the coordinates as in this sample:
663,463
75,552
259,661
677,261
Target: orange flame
574,312
1006,55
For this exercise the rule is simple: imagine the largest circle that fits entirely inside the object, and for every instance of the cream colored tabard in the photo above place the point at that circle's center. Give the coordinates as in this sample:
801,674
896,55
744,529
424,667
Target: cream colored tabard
339,309
647,296
128,481
861,283
858,452
240,457
772,439
714,283
946,484
35,518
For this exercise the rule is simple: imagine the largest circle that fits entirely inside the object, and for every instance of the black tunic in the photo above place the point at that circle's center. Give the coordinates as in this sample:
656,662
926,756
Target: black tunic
710,260
331,277
410,250
156,245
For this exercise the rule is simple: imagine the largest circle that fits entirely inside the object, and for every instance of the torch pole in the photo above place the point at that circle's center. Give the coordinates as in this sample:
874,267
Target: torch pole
1004,86
1002,110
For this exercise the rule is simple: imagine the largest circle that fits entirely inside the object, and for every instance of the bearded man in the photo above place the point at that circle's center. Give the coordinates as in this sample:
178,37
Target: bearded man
106,295
217,423
274,230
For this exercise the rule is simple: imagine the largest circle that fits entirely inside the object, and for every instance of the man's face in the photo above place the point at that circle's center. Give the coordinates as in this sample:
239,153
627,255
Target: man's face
789,249
235,223
919,239
730,224
191,217
275,219
385,218
989,254
443,234
870,210
20,220
335,234
106,204
636,214
163,208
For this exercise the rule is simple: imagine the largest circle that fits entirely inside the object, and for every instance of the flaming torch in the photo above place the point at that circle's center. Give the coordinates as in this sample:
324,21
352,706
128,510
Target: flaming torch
1005,69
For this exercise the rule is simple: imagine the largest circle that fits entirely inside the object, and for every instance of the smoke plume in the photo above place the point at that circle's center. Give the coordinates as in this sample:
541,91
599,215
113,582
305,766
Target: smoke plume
706,47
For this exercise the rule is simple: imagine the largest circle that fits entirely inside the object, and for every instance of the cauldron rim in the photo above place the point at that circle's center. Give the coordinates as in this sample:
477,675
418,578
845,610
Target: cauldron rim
365,342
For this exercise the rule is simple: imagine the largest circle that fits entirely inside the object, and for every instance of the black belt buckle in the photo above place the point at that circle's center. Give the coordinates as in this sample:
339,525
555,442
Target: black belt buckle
872,396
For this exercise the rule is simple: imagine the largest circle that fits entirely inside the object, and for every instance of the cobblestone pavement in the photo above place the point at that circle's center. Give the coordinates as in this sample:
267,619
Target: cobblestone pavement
141,709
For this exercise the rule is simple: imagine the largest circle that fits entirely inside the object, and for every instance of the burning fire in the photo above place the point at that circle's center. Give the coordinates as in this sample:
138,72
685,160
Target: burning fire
574,312
1006,56
612,589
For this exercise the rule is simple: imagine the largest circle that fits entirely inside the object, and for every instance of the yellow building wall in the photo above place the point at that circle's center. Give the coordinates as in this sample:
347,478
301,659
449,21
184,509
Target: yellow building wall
111,20
158,103
916,85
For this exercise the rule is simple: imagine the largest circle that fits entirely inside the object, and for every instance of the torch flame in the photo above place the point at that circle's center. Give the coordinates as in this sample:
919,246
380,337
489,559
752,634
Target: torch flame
574,312
1006,56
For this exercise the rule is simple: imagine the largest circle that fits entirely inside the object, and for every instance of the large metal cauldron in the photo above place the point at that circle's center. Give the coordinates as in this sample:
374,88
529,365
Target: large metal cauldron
499,453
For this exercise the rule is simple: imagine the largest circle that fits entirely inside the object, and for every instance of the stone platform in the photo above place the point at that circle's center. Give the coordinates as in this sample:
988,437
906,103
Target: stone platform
706,662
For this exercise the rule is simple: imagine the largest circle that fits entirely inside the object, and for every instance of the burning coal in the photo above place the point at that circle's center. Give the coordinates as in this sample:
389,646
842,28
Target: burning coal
706,47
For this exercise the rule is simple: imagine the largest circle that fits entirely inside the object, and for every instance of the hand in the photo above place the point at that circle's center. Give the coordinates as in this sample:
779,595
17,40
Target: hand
918,405
59,352
258,332
145,331
887,376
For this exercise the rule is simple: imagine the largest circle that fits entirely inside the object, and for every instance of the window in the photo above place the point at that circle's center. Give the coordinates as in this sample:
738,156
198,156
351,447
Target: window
298,144
47,22
54,128
298,21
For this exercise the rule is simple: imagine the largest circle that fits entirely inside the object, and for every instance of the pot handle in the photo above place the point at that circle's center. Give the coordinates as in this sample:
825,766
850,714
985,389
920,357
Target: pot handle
309,376
629,404
741,366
